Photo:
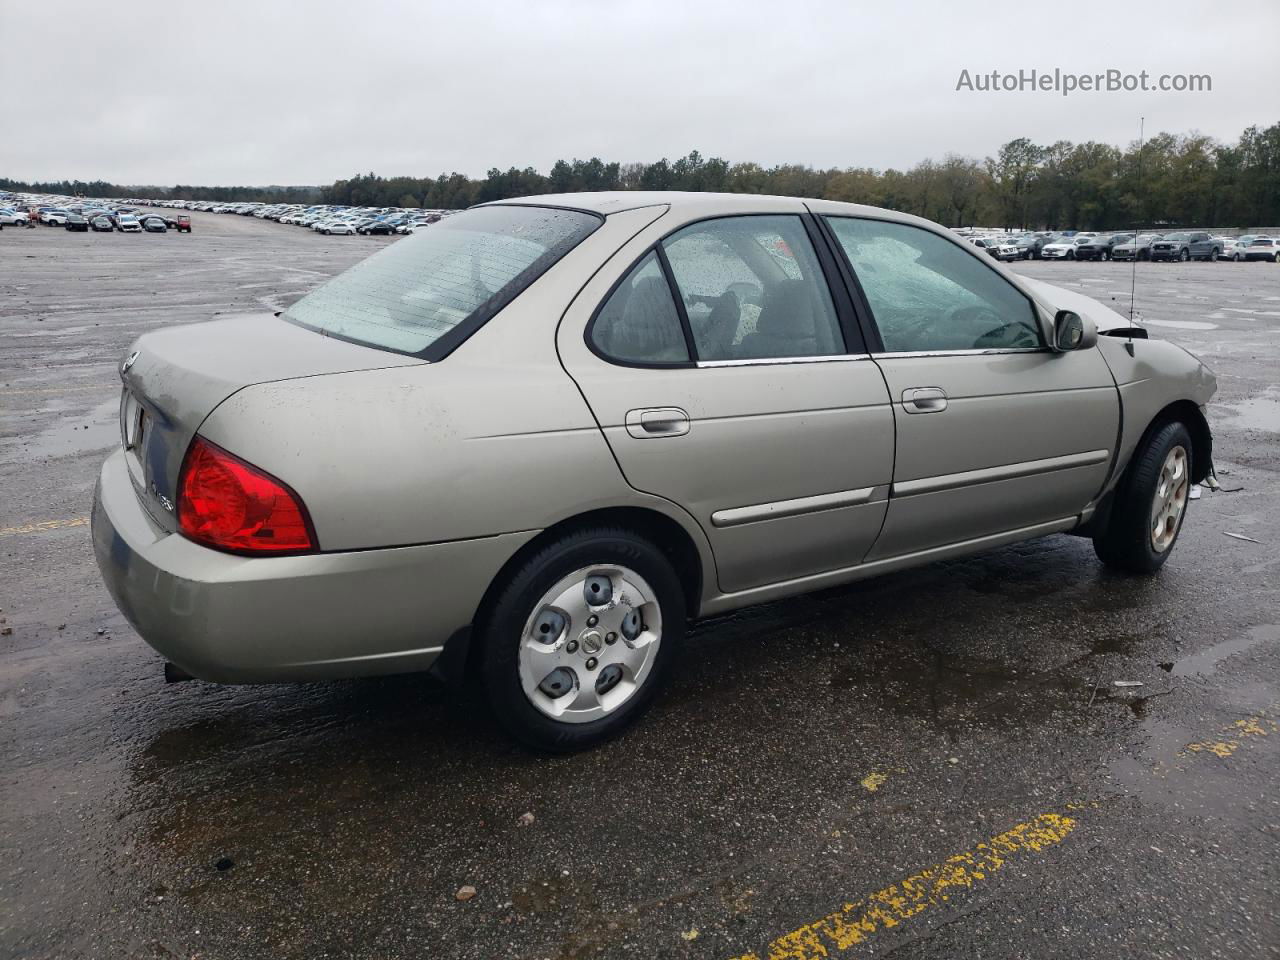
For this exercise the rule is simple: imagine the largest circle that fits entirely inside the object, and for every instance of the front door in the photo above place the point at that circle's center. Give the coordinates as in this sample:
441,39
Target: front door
995,432
727,377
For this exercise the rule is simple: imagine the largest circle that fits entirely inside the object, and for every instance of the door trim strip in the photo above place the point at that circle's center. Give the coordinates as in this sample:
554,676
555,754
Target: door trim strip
791,508
1027,468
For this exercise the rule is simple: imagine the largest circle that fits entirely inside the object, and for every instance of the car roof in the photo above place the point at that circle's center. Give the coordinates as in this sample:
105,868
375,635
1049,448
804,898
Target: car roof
617,201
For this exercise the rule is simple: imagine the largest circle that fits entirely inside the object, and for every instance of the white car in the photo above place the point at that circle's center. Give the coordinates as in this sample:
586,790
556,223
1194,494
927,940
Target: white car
1064,249
55,218
1233,248
345,227
11,218
128,223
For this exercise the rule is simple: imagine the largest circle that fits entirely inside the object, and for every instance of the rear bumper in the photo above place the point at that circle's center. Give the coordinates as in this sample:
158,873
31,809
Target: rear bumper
235,619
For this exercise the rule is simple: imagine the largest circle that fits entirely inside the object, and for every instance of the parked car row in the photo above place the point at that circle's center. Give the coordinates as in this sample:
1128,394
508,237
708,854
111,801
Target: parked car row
328,219
85,216
1179,246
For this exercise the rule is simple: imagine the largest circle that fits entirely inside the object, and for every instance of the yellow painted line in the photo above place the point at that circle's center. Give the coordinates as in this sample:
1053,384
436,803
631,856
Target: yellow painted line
1236,735
856,923
43,525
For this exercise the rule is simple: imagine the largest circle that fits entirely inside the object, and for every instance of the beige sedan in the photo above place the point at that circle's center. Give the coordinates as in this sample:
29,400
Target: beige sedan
537,439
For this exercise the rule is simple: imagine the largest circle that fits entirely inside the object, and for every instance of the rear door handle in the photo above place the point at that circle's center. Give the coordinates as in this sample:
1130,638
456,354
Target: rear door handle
924,400
651,423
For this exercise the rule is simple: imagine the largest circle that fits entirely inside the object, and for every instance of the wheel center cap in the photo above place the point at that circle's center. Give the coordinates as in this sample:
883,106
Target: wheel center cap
592,642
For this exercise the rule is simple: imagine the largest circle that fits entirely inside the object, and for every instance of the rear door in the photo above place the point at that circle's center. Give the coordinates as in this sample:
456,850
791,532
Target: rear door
995,433
728,376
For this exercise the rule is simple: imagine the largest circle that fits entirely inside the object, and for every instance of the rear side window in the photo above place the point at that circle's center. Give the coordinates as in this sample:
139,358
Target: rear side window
928,294
753,289
425,294
639,322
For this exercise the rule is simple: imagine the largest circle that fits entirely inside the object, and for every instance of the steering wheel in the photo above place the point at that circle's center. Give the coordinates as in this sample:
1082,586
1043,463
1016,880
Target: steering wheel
994,336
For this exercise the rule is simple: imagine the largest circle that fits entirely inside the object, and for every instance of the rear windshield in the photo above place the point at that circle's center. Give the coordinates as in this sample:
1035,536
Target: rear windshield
426,293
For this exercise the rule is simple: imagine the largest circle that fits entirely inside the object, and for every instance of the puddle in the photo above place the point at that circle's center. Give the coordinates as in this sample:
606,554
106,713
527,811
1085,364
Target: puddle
98,429
956,689
1260,413
1206,661
1182,324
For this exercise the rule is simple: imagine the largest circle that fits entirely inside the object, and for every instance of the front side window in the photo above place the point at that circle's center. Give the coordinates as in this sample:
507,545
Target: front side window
928,294
639,322
753,289
416,293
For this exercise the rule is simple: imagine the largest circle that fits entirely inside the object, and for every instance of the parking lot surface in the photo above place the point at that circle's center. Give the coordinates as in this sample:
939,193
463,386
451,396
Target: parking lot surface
933,764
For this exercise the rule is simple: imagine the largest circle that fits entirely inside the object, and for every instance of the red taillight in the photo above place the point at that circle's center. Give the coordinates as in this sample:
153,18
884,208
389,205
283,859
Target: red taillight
228,504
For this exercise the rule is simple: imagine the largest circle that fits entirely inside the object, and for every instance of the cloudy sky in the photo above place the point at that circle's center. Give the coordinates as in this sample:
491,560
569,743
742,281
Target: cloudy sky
305,92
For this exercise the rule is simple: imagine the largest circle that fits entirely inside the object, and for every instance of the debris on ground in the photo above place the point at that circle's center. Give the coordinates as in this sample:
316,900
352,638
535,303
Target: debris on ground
873,781
689,935
225,864
1127,683
465,893
1240,536
526,820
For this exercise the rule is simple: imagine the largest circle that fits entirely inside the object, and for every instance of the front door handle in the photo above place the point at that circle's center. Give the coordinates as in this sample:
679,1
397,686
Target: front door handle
924,400
651,423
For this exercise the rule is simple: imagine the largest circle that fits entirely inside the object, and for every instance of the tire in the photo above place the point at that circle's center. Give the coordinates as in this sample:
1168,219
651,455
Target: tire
1184,256
1071,255
1213,255
1130,541
506,632
325,232
1237,257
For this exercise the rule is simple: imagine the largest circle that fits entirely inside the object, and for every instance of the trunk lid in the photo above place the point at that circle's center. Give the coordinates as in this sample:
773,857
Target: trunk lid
175,377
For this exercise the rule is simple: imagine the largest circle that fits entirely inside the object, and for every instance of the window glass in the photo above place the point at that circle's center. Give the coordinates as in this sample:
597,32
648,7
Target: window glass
753,289
412,293
929,294
639,322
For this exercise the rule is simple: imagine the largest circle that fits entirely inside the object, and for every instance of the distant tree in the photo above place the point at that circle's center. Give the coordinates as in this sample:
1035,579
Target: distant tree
1182,179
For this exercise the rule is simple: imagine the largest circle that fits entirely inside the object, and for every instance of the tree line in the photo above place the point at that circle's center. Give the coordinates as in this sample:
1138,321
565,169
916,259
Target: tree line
1172,180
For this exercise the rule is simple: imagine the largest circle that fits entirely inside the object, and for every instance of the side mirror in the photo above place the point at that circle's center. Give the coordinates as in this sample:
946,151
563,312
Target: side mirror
1072,332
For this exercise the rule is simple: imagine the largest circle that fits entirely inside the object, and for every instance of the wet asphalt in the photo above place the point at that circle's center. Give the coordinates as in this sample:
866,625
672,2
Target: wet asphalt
848,755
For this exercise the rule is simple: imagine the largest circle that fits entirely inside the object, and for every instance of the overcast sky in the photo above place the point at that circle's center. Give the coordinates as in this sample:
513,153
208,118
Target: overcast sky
233,92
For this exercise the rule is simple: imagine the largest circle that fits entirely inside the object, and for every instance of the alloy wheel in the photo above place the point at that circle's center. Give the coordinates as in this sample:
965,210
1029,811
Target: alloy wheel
1169,500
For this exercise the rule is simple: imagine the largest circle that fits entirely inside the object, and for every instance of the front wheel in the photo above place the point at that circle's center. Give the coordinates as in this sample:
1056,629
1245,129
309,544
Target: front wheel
579,640
1184,256
1213,255
1150,503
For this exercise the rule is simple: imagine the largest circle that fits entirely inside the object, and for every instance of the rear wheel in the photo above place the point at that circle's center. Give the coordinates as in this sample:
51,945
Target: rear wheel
1150,504
1213,255
1184,256
582,636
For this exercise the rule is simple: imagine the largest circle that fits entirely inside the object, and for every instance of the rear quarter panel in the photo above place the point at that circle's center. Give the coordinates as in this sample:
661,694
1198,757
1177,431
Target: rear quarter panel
493,439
